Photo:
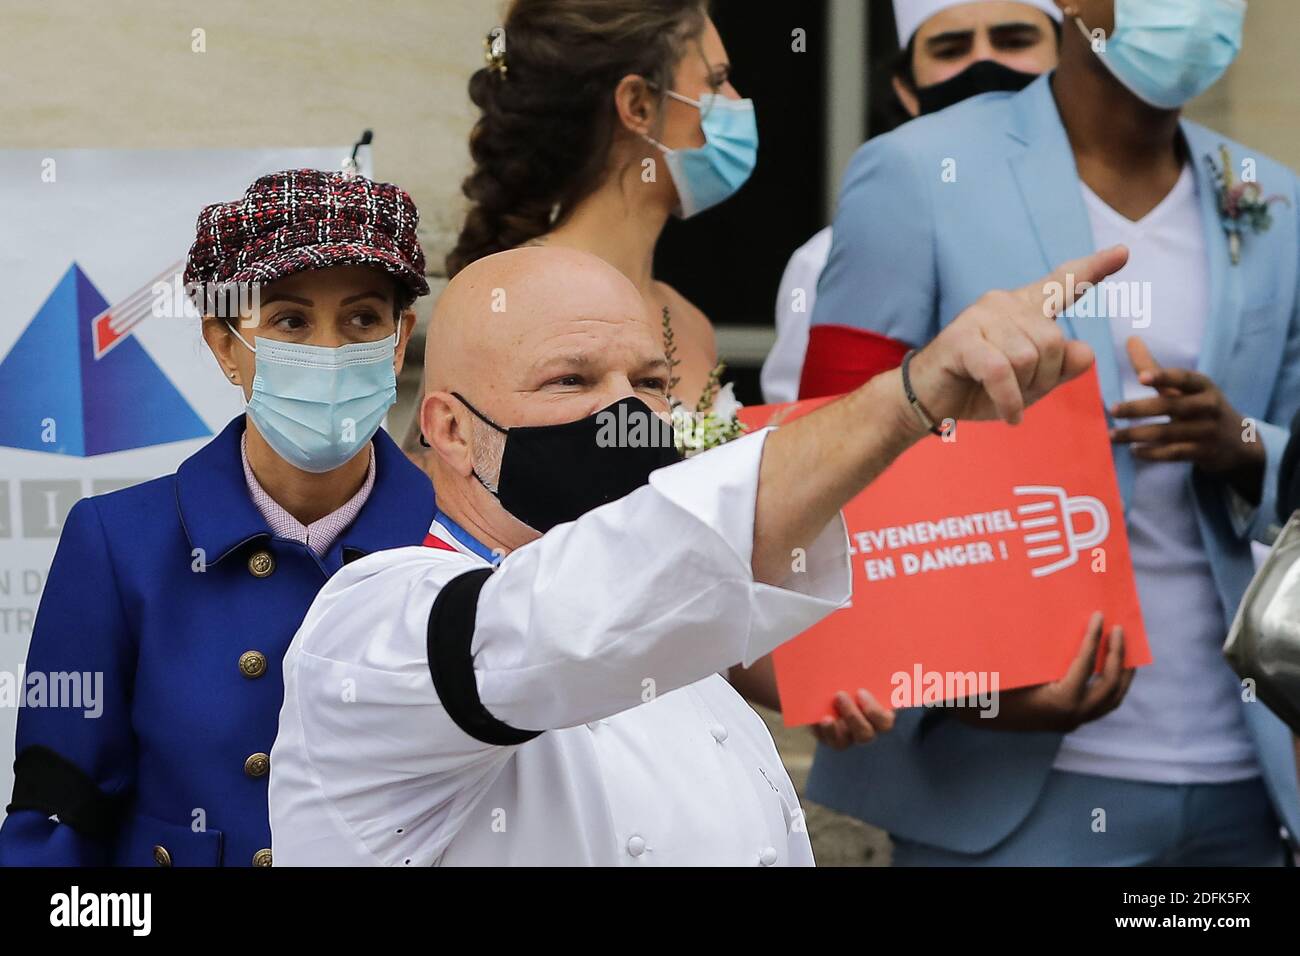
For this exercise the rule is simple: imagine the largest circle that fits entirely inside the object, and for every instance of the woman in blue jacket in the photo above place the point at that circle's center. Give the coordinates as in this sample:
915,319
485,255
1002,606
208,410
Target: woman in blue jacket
176,599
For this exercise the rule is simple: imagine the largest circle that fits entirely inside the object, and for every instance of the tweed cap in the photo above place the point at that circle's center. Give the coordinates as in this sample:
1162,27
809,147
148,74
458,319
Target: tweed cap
303,219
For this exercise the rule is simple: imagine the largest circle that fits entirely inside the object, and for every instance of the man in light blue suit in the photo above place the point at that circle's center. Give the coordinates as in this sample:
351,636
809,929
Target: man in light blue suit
1200,371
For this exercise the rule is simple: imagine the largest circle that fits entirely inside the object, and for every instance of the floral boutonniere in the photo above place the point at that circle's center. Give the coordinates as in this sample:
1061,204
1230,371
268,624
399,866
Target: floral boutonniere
1242,205
714,420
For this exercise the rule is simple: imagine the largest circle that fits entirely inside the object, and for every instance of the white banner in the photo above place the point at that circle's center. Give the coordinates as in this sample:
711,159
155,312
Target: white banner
96,390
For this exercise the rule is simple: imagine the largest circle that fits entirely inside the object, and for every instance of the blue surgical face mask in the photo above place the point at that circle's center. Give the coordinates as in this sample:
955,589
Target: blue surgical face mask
708,174
1167,52
317,407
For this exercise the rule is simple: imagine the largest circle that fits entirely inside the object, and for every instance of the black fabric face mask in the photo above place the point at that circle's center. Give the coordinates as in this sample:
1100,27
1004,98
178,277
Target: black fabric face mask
551,474
982,76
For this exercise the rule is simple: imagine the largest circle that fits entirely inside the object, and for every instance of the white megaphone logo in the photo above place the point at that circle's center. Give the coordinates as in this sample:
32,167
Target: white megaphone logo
1049,527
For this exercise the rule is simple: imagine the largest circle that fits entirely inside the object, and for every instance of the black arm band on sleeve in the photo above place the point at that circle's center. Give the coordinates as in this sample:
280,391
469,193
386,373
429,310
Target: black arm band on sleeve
451,634
50,783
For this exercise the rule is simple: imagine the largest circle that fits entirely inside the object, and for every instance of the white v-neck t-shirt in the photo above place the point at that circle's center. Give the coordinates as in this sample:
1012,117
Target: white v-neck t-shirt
1182,721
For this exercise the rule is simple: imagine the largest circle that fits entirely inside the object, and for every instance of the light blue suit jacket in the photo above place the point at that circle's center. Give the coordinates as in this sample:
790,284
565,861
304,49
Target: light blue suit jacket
911,251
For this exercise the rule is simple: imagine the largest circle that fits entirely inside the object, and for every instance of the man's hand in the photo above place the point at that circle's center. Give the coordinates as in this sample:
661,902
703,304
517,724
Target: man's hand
1076,699
994,360
860,720
1202,425
1006,351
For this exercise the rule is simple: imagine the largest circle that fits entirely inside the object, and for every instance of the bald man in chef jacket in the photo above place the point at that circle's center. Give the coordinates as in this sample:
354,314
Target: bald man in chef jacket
540,683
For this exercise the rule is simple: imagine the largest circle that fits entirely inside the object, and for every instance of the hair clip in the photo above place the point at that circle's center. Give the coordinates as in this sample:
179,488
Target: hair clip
494,51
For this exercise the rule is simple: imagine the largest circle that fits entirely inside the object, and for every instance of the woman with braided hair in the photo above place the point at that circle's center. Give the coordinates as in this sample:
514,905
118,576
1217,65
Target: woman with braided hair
600,119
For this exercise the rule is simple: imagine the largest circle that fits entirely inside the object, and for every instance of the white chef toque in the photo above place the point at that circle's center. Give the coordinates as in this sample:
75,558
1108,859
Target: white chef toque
910,14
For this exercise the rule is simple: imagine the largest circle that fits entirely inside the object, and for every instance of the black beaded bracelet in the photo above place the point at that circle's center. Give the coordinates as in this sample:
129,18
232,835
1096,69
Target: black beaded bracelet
915,402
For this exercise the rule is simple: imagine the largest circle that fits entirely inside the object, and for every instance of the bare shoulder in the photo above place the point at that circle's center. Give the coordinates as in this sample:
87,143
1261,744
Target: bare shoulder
689,321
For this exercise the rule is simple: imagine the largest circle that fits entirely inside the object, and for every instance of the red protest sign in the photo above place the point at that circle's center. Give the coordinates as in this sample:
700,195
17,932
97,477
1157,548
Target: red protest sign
980,557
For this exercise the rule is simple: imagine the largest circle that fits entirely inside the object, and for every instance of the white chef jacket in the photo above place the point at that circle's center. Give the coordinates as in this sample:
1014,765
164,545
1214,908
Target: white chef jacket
608,635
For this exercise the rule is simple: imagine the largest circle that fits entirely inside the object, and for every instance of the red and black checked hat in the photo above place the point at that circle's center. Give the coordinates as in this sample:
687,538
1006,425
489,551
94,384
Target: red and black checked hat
303,219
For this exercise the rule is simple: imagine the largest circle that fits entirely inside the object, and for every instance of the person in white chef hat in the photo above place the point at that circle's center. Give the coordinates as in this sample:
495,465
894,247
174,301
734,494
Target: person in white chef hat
954,49
949,50
541,683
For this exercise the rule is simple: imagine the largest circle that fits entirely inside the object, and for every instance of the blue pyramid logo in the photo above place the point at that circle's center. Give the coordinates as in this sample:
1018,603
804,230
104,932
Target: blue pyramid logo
95,405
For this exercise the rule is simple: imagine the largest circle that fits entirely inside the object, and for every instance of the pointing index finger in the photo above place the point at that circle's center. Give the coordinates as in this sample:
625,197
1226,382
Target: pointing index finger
1070,280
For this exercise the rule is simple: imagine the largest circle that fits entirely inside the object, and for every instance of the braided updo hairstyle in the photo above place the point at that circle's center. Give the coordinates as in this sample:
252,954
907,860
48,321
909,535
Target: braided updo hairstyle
548,120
